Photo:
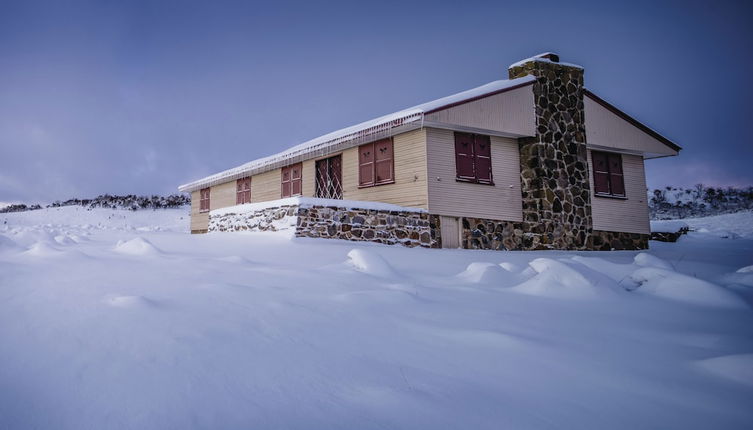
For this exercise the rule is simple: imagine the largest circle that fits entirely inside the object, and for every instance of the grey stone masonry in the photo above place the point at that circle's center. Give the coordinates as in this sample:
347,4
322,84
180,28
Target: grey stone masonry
407,228
618,241
553,164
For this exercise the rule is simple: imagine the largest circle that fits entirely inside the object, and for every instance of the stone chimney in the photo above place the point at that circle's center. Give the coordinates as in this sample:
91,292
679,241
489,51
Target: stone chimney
554,163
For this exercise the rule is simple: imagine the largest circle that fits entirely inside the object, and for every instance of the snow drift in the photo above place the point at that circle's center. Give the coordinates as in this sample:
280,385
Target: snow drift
230,330
136,246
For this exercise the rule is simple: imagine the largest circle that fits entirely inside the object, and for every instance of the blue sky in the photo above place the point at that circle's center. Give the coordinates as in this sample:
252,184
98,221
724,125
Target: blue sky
139,97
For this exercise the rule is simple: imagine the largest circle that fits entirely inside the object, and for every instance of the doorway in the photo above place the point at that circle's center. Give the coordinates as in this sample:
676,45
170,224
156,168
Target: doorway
450,231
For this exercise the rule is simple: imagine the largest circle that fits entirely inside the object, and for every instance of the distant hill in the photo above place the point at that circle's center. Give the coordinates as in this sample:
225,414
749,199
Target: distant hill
131,202
698,201
663,203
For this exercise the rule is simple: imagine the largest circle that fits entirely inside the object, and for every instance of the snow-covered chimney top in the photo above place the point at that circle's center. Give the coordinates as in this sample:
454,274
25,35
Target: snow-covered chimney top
551,56
544,57
524,67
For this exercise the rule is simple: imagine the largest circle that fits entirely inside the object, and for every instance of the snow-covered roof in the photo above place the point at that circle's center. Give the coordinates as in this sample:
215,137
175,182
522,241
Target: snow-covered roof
384,126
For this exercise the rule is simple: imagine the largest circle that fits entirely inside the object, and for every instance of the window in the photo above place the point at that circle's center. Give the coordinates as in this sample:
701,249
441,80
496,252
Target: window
473,158
376,163
243,191
328,179
608,179
204,200
292,180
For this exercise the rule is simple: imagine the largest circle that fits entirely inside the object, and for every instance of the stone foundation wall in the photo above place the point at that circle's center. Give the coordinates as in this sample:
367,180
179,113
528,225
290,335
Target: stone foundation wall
405,228
481,233
619,241
277,218
516,236
409,229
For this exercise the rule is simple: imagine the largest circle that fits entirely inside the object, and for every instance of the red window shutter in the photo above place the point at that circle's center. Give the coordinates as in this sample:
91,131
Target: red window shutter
601,172
483,158
204,199
616,179
464,156
285,182
296,179
243,191
366,165
383,158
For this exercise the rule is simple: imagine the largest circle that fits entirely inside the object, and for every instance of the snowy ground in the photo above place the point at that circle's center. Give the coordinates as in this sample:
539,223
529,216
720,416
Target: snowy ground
117,319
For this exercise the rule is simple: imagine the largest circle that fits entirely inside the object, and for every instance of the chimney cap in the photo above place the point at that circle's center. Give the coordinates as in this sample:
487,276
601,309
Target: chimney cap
551,56
545,57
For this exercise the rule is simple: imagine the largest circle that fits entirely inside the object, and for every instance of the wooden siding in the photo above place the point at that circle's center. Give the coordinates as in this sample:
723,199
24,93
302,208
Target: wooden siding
409,188
309,177
606,129
199,221
624,215
266,186
222,195
509,112
501,201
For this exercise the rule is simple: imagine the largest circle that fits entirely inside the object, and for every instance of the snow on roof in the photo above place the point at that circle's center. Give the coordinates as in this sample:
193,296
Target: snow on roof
383,126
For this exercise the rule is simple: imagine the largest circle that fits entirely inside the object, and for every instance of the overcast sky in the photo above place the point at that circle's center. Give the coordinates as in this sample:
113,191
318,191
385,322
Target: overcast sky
139,97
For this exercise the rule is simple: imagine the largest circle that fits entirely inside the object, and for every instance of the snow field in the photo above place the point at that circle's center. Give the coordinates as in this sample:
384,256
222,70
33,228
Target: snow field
121,319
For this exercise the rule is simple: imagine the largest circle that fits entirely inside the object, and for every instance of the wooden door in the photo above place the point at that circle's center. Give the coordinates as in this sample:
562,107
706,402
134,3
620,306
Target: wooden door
450,231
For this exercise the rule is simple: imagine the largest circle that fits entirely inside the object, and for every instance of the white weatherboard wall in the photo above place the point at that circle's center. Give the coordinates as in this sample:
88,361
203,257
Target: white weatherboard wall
509,112
447,196
199,220
605,128
409,188
627,215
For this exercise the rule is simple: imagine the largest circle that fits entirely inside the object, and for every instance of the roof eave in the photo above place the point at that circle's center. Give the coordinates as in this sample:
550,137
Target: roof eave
322,150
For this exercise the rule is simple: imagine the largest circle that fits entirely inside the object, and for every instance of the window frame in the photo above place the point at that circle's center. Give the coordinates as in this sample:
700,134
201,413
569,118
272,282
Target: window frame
243,190
333,167
474,157
204,199
375,162
291,181
610,176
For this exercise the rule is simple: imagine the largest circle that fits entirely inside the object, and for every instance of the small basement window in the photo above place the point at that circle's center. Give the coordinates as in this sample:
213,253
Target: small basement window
607,171
204,200
292,180
243,191
473,158
376,164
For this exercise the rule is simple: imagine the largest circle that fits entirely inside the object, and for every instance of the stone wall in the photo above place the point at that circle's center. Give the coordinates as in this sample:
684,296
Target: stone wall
619,241
553,164
389,227
277,218
512,236
481,233
407,228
